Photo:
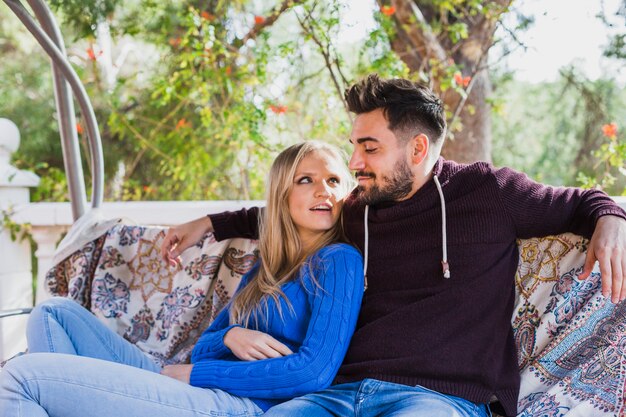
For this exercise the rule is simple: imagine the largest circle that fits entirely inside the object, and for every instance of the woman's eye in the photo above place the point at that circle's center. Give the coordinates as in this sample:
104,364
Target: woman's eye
334,180
304,180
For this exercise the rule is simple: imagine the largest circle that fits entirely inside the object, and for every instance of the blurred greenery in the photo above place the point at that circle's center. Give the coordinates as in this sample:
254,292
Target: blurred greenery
194,99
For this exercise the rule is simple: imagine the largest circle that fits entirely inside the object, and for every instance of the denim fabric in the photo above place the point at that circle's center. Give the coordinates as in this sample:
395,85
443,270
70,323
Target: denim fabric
95,372
60,325
373,398
60,385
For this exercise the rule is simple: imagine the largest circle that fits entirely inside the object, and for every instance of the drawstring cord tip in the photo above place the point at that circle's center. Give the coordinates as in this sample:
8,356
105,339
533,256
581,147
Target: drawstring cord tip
446,269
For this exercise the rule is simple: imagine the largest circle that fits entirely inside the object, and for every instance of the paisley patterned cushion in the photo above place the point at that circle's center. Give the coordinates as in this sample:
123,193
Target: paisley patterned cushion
571,341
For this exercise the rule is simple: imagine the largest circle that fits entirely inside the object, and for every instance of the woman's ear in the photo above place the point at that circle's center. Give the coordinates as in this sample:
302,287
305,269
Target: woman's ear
419,148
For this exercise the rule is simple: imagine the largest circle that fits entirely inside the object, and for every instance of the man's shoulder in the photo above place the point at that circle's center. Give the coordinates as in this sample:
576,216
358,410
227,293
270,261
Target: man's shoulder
452,170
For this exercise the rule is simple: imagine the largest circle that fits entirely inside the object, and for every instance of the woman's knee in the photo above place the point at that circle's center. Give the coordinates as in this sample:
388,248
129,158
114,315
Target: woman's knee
13,371
55,307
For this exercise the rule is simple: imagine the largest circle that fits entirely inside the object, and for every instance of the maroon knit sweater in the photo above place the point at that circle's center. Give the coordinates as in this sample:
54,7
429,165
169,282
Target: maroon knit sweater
450,335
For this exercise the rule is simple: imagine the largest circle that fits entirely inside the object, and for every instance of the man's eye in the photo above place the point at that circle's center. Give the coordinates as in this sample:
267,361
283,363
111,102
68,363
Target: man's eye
304,180
370,150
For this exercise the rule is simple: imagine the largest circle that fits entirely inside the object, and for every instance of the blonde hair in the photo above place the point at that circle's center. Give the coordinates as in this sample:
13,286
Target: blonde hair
281,251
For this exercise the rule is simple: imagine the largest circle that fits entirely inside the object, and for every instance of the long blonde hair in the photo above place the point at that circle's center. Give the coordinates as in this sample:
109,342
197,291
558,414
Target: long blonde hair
281,251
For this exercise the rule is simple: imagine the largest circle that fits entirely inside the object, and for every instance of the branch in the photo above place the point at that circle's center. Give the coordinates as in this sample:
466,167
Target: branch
269,21
411,21
325,51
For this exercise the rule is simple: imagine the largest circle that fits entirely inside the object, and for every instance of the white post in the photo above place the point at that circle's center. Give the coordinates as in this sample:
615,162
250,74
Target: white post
16,279
46,239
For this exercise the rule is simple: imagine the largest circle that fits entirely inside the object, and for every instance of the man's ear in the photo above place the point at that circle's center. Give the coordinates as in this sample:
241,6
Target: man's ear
419,148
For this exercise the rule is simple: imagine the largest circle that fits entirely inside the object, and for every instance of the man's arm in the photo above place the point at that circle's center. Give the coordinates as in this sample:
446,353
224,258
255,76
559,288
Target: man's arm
540,210
226,225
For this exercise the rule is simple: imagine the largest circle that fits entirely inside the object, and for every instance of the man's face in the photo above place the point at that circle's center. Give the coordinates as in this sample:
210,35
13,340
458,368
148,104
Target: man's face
380,162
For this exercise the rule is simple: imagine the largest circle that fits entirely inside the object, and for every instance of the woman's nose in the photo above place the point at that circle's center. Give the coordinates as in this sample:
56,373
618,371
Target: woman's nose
323,190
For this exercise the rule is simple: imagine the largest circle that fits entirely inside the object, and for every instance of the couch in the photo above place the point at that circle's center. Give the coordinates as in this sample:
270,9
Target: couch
571,341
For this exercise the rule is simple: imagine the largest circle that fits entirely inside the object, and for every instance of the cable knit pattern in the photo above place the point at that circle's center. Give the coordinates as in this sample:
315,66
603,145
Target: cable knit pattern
317,328
451,335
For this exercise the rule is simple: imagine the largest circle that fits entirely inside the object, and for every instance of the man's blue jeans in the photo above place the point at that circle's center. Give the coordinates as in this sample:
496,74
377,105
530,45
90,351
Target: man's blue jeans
373,398
95,372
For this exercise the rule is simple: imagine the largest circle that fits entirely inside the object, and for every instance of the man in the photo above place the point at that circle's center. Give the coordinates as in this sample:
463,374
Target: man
439,241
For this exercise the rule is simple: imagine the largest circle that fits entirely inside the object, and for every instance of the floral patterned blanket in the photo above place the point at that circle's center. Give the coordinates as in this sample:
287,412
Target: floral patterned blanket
571,341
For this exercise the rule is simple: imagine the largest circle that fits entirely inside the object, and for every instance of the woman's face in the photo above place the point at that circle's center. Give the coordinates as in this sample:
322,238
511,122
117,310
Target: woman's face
317,194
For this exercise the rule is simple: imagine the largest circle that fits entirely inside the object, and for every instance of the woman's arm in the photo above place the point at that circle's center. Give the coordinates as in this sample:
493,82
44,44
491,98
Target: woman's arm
334,313
221,339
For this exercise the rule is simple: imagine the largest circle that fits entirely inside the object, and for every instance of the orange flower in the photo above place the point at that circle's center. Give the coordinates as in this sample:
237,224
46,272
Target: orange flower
259,19
278,109
610,130
79,128
207,16
183,123
460,80
91,54
174,42
387,10
228,70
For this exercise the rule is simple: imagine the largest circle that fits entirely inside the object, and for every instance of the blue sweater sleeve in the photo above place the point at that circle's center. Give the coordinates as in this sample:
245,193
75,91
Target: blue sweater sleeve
211,345
334,312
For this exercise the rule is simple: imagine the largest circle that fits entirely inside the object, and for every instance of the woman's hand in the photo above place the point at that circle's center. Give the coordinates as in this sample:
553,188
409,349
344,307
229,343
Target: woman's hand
180,372
252,345
182,237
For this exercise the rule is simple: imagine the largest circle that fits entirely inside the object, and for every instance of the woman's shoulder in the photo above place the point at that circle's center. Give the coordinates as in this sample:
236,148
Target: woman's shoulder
338,250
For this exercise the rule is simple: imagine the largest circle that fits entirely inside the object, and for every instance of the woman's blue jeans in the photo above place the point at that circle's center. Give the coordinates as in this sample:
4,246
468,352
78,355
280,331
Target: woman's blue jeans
374,398
78,367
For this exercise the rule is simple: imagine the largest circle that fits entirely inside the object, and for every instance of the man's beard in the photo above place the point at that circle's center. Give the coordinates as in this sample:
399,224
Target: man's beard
394,188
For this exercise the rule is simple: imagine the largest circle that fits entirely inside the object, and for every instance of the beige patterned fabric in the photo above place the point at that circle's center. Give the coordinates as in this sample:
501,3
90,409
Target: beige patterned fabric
162,309
571,341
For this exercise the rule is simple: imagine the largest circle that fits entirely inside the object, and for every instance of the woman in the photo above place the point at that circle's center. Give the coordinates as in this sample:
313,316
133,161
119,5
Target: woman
283,335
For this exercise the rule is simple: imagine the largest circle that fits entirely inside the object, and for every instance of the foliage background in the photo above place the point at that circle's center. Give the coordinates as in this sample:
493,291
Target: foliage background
194,99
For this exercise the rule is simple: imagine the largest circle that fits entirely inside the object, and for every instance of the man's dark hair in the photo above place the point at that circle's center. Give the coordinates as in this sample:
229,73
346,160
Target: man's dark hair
410,108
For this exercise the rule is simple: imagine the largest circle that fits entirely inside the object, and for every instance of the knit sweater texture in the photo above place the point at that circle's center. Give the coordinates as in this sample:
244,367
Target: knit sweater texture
450,335
316,325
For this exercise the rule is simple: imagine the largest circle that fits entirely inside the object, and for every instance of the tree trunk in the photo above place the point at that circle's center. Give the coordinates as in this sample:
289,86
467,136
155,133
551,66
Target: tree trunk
417,44
473,142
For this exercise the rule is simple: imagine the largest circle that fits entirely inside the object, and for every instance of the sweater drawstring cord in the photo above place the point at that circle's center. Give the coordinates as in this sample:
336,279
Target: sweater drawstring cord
367,247
444,259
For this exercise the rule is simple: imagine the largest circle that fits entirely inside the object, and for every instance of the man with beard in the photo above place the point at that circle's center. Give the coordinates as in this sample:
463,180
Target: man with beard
439,242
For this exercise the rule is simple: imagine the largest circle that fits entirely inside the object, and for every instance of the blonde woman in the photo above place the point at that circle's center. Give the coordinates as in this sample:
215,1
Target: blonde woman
284,334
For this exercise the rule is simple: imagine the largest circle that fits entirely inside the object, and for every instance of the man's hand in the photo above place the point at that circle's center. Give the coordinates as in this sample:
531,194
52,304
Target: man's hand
182,237
180,372
608,247
251,345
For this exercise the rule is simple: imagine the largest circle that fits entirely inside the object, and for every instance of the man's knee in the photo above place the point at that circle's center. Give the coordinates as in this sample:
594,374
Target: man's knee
298,407
434,406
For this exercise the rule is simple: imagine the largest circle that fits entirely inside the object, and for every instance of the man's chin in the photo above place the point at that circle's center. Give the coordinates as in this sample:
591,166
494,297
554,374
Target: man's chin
365,195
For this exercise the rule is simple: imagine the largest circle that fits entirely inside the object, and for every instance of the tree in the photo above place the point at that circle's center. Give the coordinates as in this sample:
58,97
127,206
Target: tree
443,39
